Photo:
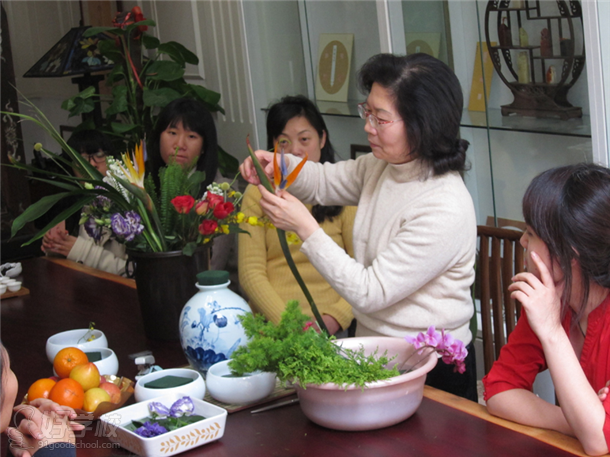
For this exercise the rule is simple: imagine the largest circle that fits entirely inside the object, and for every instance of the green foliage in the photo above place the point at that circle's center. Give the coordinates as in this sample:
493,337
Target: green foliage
306,357
170,423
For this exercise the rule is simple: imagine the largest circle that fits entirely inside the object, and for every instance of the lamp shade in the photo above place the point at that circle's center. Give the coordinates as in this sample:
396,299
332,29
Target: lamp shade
72,55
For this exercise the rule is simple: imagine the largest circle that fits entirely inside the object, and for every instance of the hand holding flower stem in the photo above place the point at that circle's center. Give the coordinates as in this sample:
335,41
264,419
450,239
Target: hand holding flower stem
282,234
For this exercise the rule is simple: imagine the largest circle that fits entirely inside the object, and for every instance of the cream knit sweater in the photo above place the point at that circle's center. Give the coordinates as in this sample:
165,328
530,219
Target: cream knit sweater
414,244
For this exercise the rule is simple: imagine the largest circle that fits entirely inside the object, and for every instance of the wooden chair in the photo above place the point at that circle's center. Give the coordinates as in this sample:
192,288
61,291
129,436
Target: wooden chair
500,258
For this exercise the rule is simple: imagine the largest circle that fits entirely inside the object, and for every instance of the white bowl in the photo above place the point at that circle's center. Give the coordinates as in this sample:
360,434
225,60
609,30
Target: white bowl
5,279
194,389
381,403
73,338
2,289
238,390
109,363
205,431
14,286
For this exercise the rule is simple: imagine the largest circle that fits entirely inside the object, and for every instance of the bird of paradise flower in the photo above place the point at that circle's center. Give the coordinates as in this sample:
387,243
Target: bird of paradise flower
283,180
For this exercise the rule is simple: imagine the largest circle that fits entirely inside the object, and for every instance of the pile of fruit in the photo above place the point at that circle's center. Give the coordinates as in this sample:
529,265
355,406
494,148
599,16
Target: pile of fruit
78,383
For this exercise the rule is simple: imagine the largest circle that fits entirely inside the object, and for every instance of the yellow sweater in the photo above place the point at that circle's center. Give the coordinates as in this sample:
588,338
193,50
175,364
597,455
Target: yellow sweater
266,277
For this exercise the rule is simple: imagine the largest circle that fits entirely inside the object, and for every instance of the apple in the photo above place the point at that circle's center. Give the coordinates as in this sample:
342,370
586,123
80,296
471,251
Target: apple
113,390
87,375
94,397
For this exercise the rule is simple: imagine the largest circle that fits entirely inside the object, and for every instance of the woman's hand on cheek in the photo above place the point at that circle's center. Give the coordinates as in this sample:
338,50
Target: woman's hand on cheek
286,212
540,298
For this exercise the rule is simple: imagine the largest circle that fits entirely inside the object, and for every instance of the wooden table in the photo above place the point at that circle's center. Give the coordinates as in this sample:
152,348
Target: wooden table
65,295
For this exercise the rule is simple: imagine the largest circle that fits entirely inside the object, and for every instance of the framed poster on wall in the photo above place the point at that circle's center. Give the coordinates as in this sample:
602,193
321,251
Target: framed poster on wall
428,43
334,62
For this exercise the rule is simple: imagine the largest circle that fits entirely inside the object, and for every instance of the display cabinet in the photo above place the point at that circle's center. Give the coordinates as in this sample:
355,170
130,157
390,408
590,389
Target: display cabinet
505,152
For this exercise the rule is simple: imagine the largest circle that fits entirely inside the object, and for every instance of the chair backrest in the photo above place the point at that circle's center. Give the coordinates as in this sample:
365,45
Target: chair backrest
500,258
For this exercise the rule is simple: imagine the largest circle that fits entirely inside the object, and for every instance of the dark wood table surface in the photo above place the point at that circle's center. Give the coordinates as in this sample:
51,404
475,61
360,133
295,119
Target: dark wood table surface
64,295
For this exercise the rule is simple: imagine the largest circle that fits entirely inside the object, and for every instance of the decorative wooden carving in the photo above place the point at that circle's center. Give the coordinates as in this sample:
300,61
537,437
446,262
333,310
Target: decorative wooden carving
543,93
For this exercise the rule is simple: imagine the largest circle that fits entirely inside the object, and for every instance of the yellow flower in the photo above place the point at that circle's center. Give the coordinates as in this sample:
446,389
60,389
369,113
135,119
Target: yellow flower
292,238
225,229
135,169
253,220
239,218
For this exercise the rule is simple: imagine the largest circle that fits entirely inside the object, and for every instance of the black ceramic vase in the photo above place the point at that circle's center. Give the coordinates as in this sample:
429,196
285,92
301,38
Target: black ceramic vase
165,282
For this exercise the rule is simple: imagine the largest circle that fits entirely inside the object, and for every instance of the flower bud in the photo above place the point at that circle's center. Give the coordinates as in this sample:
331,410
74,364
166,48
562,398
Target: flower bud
38,147
202,207
239,217
88,186
253,220
225,186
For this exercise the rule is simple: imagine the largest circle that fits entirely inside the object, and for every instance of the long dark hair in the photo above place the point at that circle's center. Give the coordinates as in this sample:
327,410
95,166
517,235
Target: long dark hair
3,370
429,100
288,108
569,209
194,116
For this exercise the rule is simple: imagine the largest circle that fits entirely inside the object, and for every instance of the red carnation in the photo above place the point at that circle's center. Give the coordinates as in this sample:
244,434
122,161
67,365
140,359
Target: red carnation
208,227
183,203
214,199
222,210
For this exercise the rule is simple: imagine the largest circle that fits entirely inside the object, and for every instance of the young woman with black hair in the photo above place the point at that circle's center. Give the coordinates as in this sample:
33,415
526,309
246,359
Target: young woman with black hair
565,322
415,226
263,272
185,132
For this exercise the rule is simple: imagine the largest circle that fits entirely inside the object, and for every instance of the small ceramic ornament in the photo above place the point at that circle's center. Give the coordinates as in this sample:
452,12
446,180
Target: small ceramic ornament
504,34
523,68
546,47
551,75
523,38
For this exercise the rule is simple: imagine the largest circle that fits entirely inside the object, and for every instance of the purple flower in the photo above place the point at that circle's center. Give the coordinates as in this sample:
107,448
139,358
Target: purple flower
150,429
92,229
128,226
102,202
450,349
182,407
159,409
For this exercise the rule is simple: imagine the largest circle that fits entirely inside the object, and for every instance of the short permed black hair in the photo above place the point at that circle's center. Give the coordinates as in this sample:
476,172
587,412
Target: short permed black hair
428,97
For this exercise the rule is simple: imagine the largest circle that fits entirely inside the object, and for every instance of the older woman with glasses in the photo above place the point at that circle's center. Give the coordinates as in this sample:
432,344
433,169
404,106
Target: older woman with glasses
71,240
415,228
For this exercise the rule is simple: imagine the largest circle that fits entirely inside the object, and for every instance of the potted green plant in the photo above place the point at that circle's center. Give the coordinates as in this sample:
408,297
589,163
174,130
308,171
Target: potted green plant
147,75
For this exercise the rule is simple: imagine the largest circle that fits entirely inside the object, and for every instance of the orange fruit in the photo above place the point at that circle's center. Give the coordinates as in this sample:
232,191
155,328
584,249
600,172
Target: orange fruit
68,392
68,358
40,389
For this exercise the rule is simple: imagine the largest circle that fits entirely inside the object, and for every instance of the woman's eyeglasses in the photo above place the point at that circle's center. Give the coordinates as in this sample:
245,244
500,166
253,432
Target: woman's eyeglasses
375,122
97,157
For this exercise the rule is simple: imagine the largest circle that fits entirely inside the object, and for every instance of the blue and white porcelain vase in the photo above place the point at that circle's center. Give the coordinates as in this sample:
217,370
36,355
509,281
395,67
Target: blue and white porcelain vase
210,328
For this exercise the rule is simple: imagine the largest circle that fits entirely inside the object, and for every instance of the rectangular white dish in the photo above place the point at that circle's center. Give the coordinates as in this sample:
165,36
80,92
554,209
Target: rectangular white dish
210,429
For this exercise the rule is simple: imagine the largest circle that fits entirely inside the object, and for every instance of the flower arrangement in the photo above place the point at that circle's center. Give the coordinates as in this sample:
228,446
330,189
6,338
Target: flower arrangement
163,419
127,202
297,352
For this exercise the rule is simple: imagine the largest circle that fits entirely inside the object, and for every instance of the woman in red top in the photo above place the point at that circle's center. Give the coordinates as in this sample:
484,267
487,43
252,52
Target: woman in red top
566,299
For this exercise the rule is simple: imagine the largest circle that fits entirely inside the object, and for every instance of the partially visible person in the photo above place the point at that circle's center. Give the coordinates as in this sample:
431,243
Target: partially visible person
71,240
565,323
45,430
185,132
415,227
263,272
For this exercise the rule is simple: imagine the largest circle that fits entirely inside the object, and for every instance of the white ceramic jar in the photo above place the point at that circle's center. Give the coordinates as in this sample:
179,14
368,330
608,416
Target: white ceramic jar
210,326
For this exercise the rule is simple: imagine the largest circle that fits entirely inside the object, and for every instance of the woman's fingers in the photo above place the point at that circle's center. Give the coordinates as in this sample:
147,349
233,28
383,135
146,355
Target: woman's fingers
248,170
545,274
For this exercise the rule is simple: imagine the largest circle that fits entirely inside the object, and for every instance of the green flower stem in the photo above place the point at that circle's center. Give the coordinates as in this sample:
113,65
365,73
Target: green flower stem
285,249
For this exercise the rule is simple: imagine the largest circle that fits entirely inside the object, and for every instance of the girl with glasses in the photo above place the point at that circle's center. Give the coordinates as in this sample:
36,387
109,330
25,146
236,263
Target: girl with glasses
71,240
415,227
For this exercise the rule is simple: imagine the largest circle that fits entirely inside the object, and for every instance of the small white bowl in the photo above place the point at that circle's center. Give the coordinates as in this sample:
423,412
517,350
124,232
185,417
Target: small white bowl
238,390
194,389
5,280
205,431
109,363
2,289
73,338
14,286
